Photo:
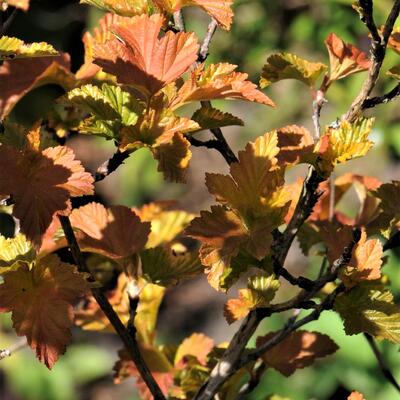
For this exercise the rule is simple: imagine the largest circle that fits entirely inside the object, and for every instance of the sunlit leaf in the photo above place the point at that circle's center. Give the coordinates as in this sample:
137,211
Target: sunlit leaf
289,66
356,396
197,345
13,250
298,350
371,310
11,47
22,4
127,8
394,40
218,81
211,118
139,58
41,301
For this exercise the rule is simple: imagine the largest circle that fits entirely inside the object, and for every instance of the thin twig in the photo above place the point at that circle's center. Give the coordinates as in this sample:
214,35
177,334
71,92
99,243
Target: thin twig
18,345
382,364
253,382
5,25
367,17
128,339
378,52
203,53
111,165
386,98
317,107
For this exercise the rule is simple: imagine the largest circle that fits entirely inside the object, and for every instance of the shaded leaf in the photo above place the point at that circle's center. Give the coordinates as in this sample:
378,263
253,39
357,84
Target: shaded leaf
218,81
11,48
345,59
298,350
116,232
394,40
197,345
138,57
211,118
41,184
369,309
41,301
164,267
289,66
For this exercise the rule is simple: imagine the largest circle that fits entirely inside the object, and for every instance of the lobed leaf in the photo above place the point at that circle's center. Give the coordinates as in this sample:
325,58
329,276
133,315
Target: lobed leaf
41,301
197,345
21,4
127,8
13,251
298,350
211,118
11,48
289,66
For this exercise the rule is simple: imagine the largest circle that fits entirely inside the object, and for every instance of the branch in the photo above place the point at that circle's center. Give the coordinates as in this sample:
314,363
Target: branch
386,98
20,344
367,17
318,103
255,378
111,165
128,339
378,52
382,364
5,24
203,53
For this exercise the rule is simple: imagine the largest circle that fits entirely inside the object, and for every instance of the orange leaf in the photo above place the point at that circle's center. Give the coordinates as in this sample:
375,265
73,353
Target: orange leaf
394,40
15,82
22,4
116,232
197,345
41,301
365,264
356,396
138,57
299,350
345,59
41,184
218,81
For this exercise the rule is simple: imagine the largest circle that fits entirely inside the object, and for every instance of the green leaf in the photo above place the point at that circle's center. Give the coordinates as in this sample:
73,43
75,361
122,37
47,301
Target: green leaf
11,47
14,250
166,267
210,118
110,107
289,66
370,309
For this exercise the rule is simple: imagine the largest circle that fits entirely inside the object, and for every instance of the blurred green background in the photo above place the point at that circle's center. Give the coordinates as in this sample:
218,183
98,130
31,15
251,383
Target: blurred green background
260,28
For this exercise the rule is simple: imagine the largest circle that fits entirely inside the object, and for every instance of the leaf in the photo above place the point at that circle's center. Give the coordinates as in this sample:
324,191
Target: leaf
41,184
15,82
289,66
138,58
165,267
11,48
127,8
22,4
365,264
41,301
218,81
110,106
211,118
220,10
344,143
116,232
259,293
345,59
197,345
298,350
369,309
295,143
394,40
356,396
13,251
394,72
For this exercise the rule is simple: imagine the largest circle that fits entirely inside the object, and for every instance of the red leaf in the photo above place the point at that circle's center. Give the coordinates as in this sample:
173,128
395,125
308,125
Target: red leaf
41,300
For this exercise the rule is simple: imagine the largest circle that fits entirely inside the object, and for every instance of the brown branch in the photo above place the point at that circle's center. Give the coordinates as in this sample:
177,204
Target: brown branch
382,364
7,21
367,17
378,52
111,165
128,339
253,382
318,103
386,98
203,53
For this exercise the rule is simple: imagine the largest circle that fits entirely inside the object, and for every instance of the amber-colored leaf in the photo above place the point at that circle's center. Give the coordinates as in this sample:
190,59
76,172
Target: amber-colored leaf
366,262
11,48
197,345
295,143
13,251
127,8
369,309
345,59
259,293
394,40
343,143
218,81
165,267
116,232
299,350
41,301
138,57
289,66
211,118
356,396
41,184
219,9
22,4
15,82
